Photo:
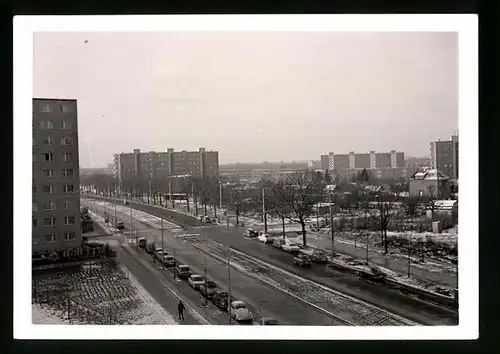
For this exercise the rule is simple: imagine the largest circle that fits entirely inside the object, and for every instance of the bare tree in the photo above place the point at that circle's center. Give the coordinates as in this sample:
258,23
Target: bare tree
432,200
297,192
186,189
382,214
235,201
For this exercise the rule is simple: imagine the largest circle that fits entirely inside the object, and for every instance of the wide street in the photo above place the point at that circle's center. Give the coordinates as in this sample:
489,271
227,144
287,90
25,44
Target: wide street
198,247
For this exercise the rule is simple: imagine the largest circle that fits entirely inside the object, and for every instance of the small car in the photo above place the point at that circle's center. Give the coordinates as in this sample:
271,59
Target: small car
290,247
183,271
158,254
278,242
240,312
142,242
221,299
251,233
120,225
267,321
150,247
302,260
266,238
168,260
195,281
208,289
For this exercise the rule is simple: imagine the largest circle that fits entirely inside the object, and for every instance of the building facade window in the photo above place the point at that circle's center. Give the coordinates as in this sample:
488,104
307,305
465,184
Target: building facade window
65,124
49,238
36,239
48,189
69,220
48,156
47,141
68,156
46,124
49,221
34,222
67,108
66,141
69,188
66,205
33,189
47,172
34,157
67,172
46,107
69,236
49,206
34,207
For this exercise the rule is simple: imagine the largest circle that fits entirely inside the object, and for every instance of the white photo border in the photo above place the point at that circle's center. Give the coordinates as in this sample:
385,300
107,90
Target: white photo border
465,25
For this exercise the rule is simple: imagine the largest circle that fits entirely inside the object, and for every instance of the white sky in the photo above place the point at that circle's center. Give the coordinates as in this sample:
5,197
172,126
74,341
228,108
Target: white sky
253,96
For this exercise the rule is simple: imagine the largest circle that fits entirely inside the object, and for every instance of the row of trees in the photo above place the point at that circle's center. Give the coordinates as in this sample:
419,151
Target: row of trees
293,197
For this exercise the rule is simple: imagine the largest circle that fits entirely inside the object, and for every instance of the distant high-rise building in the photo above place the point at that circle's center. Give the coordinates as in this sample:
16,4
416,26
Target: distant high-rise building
381,165
324,162
139,165
56,183
444,156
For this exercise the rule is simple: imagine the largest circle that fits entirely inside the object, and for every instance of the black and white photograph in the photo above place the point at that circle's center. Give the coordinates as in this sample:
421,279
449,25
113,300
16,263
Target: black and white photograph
234,172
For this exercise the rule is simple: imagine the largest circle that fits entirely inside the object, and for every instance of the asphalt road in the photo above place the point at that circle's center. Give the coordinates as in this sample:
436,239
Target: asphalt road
262,299
403,305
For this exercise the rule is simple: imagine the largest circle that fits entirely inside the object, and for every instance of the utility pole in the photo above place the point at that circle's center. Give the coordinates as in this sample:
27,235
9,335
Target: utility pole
205,259
149,191
409,250
264,211
331,225
220,196
317,217
366,241
228,271
283,223
162,262
130,211
115,221
170,193
69,303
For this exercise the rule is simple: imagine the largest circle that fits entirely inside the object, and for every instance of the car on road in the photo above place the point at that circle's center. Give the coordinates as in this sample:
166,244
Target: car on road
208,288
195,281
290,247
142,242
240,312
373,274
150,247
205,219
266,238
183,271
251,233
159,252
302,260
120,225
317,256
267,321
221,299
168,260
278,242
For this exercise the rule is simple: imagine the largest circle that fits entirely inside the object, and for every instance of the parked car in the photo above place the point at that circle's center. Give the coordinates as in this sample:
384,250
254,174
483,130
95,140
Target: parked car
251,233
221,299
302,260
290,247
205,219
208,288
158,254
266,238
168,260
142,242
278,242
183,271
150,247
120,225
373,274
240,312
267,321
195,281
317,256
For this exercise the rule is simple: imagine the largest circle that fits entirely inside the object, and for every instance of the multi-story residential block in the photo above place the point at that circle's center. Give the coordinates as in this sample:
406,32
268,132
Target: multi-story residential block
380,165
324,162
161,165
444,156
56,189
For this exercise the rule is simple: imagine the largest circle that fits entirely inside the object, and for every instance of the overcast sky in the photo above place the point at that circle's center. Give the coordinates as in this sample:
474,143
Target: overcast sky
253,96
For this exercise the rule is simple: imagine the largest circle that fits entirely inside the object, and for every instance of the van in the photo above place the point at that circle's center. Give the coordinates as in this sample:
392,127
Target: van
317,256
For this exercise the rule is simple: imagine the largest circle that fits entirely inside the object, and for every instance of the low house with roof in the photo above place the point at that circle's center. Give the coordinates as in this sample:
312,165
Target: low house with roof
430,183
442,208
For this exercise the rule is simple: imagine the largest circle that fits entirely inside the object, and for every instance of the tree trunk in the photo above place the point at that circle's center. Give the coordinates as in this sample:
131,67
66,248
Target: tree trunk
386,248
195,200
237,215
283,223
303,225
187,201
215,210
205,209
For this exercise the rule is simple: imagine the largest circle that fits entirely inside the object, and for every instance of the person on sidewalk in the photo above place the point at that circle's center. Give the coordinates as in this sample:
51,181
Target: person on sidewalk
180,310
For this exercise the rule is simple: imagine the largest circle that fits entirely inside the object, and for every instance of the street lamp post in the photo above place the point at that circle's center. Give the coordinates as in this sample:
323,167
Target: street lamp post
228,270
220,196
264,216
331,224
162,262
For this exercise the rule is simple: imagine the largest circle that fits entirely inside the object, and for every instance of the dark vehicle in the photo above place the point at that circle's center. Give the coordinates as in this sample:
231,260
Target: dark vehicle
150,247
251,233
373,274
208,289
302,260
120,225
278,242
221,300
317,256
267,321
183,271
142,242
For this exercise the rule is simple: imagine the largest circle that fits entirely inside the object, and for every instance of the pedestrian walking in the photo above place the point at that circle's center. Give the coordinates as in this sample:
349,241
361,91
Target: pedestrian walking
180,310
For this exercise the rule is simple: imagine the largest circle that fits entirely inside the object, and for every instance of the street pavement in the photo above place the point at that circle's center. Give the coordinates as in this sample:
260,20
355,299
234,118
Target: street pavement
439,272
261,298
376,294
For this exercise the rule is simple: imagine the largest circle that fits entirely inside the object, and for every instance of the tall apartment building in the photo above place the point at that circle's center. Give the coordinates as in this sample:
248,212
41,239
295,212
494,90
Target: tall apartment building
444,156
56,186
381,165
156,165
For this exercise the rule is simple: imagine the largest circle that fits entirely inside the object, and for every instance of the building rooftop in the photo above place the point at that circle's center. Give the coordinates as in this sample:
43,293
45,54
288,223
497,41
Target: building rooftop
430,174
